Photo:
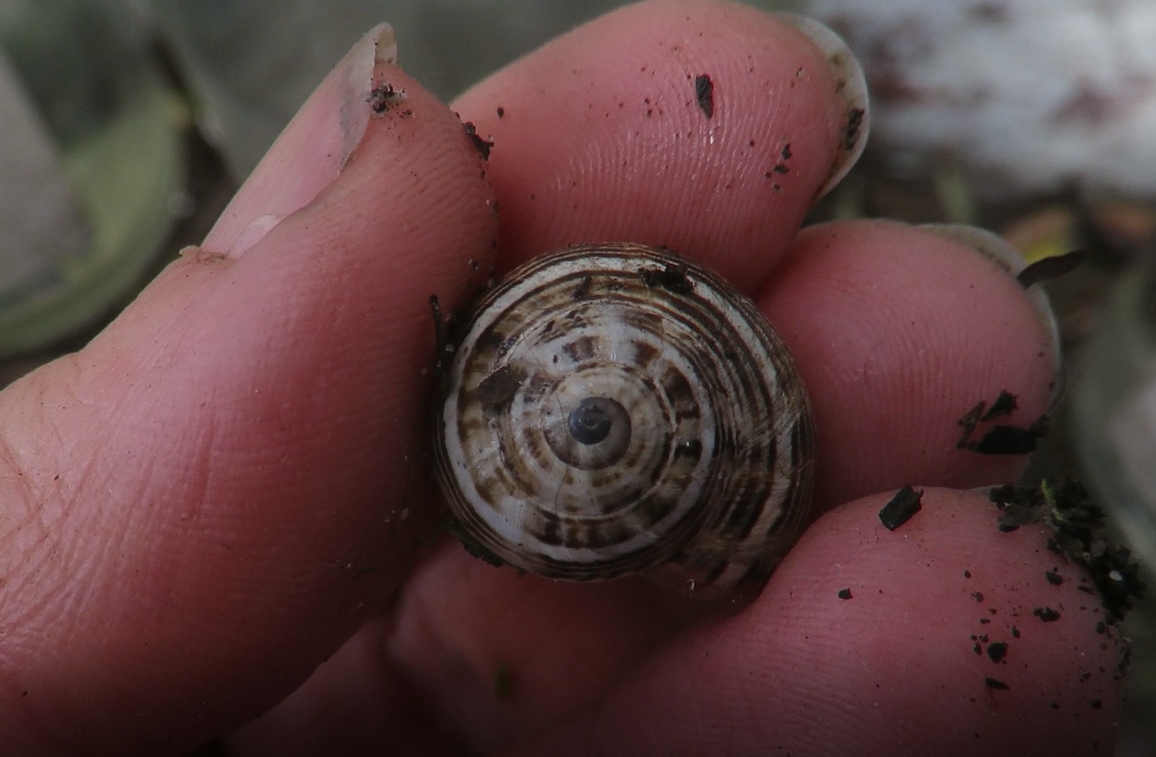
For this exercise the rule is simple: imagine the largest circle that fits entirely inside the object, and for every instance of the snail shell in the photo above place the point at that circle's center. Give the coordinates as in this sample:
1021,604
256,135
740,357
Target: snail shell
618,409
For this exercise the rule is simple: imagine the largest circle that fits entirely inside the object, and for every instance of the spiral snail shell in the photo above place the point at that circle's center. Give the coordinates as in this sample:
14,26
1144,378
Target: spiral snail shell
618,409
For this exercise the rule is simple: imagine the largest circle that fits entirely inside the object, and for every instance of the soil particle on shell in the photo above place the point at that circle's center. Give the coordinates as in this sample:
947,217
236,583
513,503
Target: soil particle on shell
1046,614
498,390
993,683
584,288
671,277
844,593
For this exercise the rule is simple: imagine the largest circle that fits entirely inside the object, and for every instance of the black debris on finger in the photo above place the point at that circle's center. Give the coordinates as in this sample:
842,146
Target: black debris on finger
902,507
704,94
1076,524
1005,404
969,421
1002,439
483,146
383,95
1011,440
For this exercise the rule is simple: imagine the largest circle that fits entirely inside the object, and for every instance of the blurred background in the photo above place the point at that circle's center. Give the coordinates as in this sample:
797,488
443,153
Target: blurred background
126,125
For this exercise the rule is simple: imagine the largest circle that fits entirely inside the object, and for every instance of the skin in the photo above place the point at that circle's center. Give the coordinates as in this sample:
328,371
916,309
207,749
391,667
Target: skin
219,508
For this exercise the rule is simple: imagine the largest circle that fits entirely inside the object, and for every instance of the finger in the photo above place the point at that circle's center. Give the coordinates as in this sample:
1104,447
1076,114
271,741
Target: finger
208,499
375,694
898,332
599,136
353,705
939,649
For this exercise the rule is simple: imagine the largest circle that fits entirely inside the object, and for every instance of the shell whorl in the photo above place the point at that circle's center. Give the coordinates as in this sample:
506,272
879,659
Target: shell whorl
617,409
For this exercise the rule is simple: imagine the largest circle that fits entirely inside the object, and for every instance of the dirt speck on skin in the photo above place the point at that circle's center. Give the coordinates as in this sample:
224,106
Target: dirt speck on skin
996,651
1005,404
384,95
902,507
1077,526
704,94
196,254
483,146
1002,439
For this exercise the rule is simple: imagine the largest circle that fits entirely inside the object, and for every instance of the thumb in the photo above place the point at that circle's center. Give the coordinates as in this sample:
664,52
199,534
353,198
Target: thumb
201,505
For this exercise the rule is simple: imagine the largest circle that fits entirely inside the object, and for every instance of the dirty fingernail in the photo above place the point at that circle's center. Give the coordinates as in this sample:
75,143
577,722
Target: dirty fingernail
311,151
995,248
850,85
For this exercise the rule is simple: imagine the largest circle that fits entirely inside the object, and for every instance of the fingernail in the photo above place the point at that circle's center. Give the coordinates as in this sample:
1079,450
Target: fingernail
850,84
311,151
996,249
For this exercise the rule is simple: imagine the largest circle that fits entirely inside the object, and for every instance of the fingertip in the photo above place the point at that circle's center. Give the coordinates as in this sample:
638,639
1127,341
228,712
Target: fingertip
707,127
865,642
898,333
965,636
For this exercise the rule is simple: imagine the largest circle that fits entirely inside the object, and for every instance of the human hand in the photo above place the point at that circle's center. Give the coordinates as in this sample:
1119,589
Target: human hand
209,500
